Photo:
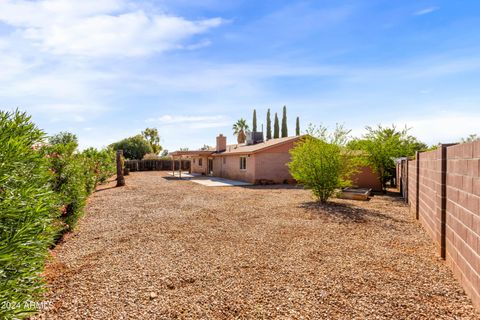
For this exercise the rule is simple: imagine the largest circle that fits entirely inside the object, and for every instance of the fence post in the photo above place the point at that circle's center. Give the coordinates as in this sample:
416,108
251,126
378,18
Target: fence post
417,191
120,177
406,181
443,202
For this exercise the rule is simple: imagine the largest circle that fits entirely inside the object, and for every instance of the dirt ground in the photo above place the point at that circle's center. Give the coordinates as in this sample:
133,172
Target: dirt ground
161,248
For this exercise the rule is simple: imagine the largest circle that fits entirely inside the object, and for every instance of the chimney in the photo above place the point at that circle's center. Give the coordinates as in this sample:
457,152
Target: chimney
221,143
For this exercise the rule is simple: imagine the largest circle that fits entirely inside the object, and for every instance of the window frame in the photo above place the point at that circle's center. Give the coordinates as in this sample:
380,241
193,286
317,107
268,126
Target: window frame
200,162
243,160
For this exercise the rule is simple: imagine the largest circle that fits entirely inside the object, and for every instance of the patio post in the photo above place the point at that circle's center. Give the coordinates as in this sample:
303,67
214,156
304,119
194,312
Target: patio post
180,168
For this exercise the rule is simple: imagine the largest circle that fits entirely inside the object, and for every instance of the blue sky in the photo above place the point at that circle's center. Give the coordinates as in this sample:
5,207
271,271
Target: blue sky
106,69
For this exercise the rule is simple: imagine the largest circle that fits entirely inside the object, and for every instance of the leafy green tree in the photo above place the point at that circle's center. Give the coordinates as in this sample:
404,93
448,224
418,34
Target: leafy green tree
64,138
254,121
269,126
239,129
382,145
321,162
151,135
297,127
284,123
276,129
28,208
134,147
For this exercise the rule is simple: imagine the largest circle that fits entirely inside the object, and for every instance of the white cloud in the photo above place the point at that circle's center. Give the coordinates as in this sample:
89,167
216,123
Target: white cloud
100,28
183,119
193,122
443,127
425,11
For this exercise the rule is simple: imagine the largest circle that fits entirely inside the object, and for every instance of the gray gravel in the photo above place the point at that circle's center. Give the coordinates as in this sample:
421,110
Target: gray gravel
162,248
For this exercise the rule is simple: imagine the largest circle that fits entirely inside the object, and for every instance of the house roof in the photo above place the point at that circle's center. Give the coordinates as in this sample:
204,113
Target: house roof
258,147
192,153
238,148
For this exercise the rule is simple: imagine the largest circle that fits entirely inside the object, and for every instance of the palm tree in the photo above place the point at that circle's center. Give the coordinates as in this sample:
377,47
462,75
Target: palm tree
239,129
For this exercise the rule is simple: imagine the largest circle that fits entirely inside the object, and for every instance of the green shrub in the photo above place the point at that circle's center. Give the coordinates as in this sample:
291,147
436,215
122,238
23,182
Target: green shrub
68,181
76,175
27,210
37,182
102,163
320,162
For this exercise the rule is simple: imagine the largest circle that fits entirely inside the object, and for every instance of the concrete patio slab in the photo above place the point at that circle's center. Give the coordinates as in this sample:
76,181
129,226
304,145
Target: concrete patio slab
210,181
218,182
185,174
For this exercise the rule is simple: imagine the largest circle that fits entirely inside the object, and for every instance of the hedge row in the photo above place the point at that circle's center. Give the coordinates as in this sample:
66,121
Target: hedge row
44,185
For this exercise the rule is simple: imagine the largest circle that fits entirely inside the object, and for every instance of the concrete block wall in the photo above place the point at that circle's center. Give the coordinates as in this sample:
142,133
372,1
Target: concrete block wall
429,186
444,195
463,216
412,185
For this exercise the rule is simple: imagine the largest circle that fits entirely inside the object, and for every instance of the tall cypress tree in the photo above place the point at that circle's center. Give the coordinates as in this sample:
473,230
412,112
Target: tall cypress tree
297,127
284,123
269,126
276,128
254,121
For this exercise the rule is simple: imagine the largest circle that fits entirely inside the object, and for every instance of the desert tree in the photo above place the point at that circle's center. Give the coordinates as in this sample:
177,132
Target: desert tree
284,123
269,126
151,135
381,145
276,128
135,147
239,129
321,162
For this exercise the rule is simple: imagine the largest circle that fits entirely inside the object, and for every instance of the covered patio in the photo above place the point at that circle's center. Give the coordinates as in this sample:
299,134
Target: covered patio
190,156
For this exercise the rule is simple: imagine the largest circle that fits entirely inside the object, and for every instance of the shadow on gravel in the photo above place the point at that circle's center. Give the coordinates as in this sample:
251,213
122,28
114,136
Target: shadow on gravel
345,212
273,186
103,189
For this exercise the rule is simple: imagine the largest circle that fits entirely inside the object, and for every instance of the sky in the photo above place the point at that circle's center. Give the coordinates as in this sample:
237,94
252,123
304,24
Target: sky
107,69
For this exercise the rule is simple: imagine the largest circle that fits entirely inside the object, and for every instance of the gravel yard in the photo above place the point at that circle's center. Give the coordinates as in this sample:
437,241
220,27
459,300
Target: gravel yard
162,248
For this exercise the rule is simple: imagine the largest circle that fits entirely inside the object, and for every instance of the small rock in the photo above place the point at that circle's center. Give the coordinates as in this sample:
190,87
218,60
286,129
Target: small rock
153,295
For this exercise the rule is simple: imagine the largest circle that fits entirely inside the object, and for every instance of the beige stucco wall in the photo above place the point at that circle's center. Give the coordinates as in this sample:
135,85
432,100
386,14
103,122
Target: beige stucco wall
366,178
271,164
230,168
266,165
199,169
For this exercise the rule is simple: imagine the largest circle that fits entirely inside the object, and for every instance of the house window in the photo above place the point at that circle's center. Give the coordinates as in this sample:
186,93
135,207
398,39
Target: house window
243,163
193,160
224,160
200,162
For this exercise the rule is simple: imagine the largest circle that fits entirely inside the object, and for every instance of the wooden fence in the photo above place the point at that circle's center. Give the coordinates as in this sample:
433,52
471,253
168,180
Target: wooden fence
155,165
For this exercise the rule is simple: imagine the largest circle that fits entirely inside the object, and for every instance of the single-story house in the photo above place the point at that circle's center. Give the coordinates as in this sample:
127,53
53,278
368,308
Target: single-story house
256,161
